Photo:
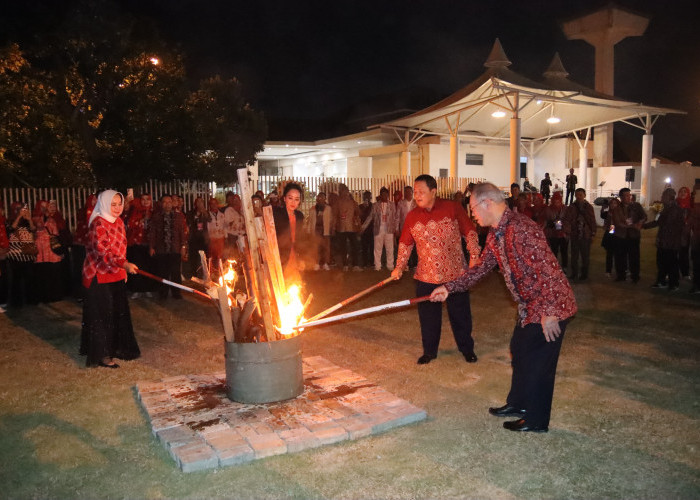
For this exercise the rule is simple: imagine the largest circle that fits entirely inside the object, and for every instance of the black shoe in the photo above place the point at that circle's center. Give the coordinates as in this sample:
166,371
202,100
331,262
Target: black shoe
522,426
620,278
673,289
105,365
507,411
659,285
470,357
425,359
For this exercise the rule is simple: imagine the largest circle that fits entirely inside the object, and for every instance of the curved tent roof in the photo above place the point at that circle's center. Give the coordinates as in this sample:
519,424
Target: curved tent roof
469,111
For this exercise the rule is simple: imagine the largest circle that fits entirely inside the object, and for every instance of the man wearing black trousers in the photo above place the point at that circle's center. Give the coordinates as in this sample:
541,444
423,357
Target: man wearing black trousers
628,219
545,301
436,227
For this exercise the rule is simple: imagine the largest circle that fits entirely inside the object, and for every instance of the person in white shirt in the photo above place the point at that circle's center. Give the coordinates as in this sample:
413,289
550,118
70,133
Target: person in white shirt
216,227
404,206
234,222
385,229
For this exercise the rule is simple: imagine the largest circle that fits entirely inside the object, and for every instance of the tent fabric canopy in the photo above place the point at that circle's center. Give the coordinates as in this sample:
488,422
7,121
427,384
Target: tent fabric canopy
468,112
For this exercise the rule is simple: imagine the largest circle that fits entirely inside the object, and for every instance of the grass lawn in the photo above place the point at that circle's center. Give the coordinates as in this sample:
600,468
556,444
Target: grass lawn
624,424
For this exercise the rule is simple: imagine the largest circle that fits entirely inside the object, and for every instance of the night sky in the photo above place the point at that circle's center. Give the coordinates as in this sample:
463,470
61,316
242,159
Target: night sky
315,67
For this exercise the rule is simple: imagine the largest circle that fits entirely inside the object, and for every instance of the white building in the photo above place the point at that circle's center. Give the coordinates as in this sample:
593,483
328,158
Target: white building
502,127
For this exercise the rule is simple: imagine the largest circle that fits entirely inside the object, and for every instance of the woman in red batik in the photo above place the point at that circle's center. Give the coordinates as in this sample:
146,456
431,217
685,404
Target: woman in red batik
107,331
138,219
48,267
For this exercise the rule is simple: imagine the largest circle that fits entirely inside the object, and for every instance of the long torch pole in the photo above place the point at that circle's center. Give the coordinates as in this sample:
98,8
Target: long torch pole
363,312
172,283
334,308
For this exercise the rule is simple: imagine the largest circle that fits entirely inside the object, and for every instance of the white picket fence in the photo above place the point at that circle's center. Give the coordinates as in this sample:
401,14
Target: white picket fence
70,200
357,185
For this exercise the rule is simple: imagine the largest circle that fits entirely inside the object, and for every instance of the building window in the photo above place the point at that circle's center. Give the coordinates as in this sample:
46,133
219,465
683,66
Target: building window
474,159
443,173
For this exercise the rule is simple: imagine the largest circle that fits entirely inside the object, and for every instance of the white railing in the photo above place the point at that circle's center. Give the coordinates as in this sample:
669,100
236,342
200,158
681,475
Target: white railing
70,200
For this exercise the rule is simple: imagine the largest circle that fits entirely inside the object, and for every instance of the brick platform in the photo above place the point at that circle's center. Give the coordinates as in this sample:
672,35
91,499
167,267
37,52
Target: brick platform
202,429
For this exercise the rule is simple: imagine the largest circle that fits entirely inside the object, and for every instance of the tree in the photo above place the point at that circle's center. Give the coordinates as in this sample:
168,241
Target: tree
101,97
230,133
36,145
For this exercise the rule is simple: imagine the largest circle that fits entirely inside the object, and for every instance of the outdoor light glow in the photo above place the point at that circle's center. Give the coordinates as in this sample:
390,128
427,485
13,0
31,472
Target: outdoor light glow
154,61
498,114
553,119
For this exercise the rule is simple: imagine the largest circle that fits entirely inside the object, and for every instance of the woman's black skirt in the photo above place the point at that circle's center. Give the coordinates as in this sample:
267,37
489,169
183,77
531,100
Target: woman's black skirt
107,330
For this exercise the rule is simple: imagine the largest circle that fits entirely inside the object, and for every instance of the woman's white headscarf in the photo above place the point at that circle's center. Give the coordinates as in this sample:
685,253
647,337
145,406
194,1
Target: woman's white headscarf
104,206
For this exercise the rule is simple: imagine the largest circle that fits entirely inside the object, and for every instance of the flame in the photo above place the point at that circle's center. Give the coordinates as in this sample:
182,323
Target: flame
228,279
292,310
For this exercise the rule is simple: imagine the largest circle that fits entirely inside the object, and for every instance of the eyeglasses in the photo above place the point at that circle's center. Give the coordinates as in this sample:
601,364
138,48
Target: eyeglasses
472,207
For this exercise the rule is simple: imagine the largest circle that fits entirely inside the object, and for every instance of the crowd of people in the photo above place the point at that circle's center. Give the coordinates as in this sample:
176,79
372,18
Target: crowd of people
41,259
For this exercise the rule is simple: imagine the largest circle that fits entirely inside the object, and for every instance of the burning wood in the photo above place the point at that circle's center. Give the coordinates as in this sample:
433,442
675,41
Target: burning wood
269,309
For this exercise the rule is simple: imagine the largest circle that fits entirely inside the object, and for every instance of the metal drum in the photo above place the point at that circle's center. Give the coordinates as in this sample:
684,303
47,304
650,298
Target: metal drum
264,372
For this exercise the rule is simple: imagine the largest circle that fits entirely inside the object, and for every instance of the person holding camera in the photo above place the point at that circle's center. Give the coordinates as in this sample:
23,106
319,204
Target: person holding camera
580,219
21,255
554,230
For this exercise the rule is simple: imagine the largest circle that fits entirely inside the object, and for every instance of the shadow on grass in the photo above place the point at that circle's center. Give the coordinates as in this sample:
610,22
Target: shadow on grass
65,320
39,446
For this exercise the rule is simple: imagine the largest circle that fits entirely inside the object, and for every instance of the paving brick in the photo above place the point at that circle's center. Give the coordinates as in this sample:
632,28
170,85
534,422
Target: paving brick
165,422
224,440
177,436
195,457
382,421
154,396
357,427
267,445
245,430
299,439
236,455
215,429
331,435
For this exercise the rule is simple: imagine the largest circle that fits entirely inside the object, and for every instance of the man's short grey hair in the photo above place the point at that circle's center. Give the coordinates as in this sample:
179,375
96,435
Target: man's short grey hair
487,191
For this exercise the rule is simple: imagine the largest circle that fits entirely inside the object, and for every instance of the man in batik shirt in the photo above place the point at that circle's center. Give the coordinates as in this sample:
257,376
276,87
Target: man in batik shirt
436,227
545,304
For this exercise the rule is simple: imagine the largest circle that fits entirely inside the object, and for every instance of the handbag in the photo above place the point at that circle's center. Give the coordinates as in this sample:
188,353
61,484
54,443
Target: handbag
56,246
29,248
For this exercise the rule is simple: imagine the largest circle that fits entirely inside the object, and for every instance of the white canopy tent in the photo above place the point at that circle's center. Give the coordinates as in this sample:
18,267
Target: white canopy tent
538,111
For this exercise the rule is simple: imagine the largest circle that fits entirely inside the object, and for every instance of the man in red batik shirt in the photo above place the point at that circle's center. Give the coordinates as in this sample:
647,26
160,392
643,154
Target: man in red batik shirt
545,304
436,227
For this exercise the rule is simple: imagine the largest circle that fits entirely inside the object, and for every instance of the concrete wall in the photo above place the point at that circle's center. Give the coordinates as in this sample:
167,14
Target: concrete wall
386,165
495,168
359,166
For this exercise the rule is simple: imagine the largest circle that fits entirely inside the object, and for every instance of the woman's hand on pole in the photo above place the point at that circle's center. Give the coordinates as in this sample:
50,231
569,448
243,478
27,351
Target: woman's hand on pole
130,267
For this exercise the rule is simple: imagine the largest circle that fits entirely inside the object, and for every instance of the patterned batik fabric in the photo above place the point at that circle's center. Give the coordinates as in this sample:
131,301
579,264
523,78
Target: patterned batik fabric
530,269
105,252
437,236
